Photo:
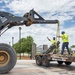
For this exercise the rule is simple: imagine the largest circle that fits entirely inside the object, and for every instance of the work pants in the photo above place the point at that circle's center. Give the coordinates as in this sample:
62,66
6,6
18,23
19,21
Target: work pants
65,44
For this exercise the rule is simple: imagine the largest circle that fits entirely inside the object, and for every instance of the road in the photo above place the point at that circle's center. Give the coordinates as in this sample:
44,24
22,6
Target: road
29,67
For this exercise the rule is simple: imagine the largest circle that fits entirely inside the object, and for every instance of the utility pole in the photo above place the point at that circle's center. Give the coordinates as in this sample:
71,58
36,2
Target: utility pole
20,41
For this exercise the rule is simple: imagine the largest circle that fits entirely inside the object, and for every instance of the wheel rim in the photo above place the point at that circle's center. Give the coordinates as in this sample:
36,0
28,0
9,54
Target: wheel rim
44,61
4,58
37,61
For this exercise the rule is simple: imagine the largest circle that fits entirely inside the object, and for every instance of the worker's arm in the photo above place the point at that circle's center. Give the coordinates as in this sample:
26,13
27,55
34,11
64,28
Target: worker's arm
52,41
48,39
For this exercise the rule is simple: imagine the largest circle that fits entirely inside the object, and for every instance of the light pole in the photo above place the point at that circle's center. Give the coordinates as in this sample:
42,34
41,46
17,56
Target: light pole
20,41
12,41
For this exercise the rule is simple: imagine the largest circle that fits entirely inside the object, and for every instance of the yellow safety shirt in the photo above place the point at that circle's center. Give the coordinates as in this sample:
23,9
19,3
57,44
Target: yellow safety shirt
53,41
64,37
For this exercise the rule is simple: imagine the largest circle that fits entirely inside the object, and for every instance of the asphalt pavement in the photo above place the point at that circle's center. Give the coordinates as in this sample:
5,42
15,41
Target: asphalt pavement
29,67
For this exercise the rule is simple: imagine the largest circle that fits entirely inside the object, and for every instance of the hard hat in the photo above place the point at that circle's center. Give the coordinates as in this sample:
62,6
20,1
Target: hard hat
62,32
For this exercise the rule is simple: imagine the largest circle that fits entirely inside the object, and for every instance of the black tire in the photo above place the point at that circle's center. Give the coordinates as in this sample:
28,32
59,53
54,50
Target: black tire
45,61
38,60
60,62
68,63
7,58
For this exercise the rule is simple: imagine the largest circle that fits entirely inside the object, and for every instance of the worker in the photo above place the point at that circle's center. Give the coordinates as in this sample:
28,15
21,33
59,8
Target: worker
65,40
54,42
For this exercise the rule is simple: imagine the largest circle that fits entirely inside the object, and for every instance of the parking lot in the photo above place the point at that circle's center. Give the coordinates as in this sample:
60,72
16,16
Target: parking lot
29,67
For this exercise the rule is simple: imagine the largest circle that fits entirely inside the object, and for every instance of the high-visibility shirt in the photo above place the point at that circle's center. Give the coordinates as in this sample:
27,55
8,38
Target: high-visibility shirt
64,38
53,41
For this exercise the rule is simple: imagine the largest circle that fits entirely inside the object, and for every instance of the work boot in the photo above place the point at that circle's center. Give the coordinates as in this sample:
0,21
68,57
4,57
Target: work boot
60,55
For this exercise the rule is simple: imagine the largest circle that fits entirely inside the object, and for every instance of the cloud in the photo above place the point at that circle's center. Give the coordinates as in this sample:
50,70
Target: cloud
0,1
60,8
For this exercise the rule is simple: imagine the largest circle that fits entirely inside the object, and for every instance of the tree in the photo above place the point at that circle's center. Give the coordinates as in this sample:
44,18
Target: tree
16,47
73,46
26,45
29,44
23,44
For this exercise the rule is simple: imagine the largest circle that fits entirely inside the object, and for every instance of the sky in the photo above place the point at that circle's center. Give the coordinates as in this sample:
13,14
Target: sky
62,10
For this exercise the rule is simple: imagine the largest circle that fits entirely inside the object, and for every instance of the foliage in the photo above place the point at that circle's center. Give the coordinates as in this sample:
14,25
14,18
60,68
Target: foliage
16,47
29,44
57,50
70,50
24,45
72,46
